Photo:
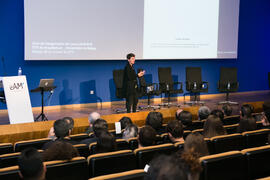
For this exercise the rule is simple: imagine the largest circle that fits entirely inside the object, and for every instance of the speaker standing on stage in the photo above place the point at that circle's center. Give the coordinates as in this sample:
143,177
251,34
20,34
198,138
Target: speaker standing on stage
130,83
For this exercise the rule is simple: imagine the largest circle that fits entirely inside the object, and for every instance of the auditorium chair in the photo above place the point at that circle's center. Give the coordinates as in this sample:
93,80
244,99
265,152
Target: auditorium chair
133,143
35,143
198,131
229,165
10,159
112,162
121,144
179,145
137,174
228,83
210,145
258,161
229,120
149,90
79,137
71,169
7,160
118,77
145,154
227,143
167,84
231,129
197,124
6,148
10,173
83,150
194,83
256,138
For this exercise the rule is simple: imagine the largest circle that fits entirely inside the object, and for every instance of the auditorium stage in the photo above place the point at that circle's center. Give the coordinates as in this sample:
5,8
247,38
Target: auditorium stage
79,111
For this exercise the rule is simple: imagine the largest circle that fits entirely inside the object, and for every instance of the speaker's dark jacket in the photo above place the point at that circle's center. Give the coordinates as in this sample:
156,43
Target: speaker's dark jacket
130,83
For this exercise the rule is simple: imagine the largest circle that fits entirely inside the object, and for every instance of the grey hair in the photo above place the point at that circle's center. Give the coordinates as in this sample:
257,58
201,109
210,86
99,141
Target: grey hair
93,117
204,112
130,131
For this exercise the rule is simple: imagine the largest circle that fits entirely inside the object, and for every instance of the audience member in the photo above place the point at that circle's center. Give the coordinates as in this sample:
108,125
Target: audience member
246,110
196,145
266,114
69,120
203,112
247,124
125,121
105,142
30,165
62,132
213,127
98,126
60,150
175,131
155,120
91,119
147,136
167,168
185,118
130,131
227,109
218,113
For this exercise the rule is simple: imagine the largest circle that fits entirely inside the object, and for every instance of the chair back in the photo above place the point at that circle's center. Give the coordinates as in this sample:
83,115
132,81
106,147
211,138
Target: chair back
194,74
7,160
224,166
228,143
145,154
83,150
256,138
118,78
137,174
6,148
229,120
73,169
228,74
35,143
79,137
113,162
165,75
11,173
258,161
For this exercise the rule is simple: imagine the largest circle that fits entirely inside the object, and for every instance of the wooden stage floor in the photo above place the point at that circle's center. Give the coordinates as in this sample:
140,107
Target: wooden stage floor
77,111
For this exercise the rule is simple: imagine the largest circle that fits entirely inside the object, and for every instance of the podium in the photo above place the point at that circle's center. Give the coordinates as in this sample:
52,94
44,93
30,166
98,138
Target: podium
44,86
17,99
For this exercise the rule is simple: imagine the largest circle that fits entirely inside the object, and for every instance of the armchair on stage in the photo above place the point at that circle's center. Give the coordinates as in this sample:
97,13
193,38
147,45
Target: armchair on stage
194,83
228,83
118,77
149,90
167,85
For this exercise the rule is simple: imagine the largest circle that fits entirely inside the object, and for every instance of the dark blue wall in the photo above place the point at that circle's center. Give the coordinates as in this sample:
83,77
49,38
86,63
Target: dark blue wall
74,79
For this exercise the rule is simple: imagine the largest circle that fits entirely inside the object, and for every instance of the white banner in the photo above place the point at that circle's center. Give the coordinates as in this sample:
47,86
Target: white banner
17,99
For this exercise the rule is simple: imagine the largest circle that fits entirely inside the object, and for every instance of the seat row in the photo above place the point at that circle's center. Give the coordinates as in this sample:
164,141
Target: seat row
246,164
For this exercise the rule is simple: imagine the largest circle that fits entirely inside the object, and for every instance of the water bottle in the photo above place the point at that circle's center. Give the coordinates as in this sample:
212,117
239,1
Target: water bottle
229,85
167,87
195,85
19,71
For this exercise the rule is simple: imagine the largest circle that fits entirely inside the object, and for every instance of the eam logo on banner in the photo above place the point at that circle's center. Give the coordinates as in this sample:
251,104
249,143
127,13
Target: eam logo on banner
16,86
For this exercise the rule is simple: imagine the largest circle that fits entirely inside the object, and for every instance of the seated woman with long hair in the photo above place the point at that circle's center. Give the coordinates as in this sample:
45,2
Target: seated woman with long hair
213,127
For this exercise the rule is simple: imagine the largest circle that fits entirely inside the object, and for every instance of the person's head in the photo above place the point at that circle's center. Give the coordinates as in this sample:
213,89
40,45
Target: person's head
266,110
155,120
106,142
93,117
70,122
31,165
60,150
185,118
203,112
246,110
100,125
165,167
227,109
213,127
247,124
175,130
147,136
125,121
131,58
61,128
196,145
218,113
130,131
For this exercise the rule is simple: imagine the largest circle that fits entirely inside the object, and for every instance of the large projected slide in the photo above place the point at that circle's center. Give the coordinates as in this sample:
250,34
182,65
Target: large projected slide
109,29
